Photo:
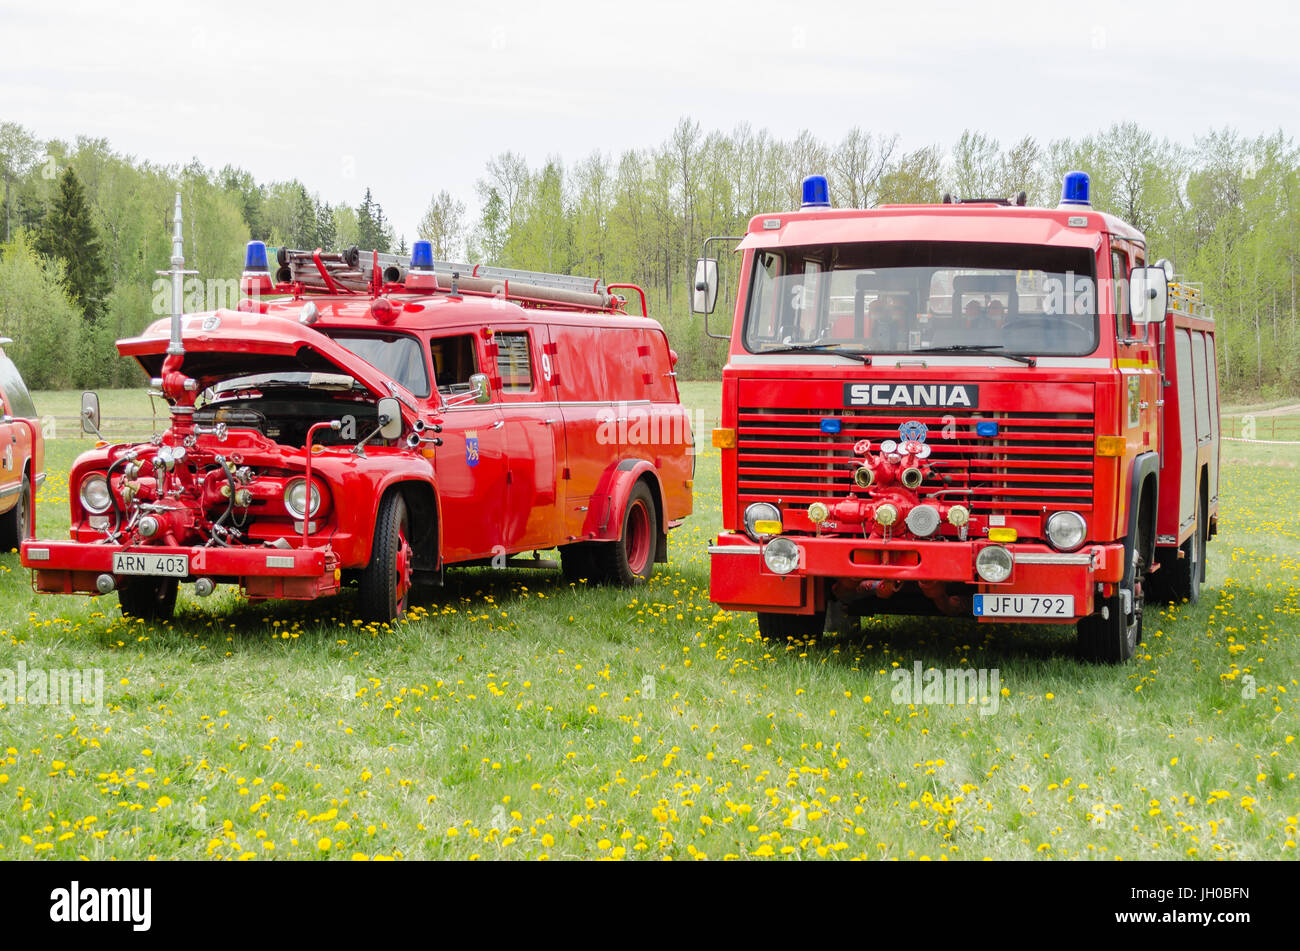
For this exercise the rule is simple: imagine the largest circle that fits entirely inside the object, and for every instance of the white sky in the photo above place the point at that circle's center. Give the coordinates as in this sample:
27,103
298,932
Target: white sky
412,98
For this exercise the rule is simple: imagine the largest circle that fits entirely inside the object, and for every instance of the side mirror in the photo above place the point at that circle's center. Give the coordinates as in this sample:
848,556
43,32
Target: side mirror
90,413
482,393
390,418
1148,295
706,286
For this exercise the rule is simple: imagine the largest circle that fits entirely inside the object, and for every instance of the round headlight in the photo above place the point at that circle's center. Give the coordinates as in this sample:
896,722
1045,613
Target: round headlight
295,498
96,497
781,556
1066,530
923,520
993,563
760,512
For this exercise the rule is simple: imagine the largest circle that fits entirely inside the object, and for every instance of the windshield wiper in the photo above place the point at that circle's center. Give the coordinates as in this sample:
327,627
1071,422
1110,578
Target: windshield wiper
821,348
985,350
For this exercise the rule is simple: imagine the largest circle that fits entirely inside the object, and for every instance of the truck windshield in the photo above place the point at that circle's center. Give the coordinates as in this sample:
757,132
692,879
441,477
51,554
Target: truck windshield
909,297
398,356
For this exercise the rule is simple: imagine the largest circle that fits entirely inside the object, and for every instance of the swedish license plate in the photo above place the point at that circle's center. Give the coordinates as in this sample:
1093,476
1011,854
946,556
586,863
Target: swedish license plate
1024,605
141,563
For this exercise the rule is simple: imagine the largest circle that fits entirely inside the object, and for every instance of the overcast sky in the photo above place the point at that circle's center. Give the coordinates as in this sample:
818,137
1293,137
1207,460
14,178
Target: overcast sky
411,98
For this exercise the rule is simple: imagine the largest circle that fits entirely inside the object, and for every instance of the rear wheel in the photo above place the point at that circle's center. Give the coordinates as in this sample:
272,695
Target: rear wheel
780,626
631,560
385,583
150,599
1180,580
14,523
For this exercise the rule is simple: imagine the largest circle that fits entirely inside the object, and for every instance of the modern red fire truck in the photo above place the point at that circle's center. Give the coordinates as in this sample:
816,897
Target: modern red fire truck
972,408
376,423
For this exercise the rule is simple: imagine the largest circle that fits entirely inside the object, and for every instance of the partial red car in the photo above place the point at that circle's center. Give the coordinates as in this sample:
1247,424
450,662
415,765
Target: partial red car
22,454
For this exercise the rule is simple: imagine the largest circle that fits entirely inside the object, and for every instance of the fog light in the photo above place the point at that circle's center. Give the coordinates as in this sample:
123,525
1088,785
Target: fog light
781,556
762,512
923,520
993,563
818,512
886,515
1066,530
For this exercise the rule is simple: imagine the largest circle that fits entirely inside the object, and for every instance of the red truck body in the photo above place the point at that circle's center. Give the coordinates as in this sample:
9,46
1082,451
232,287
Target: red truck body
439,421
909,386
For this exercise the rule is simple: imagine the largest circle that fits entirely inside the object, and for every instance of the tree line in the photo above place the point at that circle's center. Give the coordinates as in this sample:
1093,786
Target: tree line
85,228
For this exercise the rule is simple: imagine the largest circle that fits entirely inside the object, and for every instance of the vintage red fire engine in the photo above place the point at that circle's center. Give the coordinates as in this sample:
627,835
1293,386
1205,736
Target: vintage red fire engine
973,408
377,423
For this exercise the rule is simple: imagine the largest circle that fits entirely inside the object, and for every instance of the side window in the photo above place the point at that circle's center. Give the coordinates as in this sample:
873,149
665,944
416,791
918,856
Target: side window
17,399
514,362
1119,289
454,362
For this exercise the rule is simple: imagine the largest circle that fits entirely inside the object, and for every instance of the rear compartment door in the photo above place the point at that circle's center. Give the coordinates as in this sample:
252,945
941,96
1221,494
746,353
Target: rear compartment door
534,431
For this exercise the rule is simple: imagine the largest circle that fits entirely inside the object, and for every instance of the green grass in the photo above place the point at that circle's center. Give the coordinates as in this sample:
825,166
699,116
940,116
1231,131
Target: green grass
514,716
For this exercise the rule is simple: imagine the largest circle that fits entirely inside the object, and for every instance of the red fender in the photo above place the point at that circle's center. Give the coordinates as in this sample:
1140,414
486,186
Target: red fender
609,504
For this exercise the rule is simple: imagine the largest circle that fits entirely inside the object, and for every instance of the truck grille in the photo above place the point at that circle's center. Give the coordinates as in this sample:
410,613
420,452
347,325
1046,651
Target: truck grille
1037,460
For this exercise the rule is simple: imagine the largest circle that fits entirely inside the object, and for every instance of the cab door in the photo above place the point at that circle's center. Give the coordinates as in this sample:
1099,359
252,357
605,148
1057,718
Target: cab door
534,437
470,465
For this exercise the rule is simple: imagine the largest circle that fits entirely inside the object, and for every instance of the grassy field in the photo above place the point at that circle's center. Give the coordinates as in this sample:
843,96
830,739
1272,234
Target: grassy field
512,716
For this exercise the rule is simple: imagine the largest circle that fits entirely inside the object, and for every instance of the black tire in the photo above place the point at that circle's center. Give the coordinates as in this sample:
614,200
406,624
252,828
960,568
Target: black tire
150,599
14,523
1180,578
385,584
578,563
1109,637
778,627
630,560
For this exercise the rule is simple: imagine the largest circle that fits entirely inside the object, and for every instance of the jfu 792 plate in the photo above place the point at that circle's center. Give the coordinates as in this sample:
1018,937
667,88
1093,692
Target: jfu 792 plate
1024,605
147,563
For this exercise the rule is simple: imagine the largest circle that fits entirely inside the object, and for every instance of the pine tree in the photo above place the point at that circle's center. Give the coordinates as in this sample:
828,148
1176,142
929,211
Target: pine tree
373,231
326,230
69,234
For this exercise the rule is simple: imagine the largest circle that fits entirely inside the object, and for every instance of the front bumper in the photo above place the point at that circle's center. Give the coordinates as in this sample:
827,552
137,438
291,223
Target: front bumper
71,567
739,580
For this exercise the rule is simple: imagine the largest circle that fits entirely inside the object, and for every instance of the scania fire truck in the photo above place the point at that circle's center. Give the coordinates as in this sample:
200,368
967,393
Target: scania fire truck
972,408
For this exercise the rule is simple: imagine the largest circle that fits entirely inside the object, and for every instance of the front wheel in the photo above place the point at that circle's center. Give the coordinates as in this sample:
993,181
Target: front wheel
630,560
1111,637
385,583
778,627
15,522
150,599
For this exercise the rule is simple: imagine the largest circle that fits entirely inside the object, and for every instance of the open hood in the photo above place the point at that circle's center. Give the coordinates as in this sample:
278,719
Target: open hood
225,344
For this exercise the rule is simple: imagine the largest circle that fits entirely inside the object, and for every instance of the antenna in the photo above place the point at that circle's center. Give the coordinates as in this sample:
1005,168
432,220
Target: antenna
176,273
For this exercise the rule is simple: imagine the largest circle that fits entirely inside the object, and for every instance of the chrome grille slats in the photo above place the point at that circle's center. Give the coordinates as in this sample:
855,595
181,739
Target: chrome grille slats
1038,459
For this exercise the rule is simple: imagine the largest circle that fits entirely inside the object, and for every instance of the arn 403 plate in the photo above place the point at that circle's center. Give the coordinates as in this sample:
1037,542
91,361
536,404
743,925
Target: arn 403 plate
1024,605
144,563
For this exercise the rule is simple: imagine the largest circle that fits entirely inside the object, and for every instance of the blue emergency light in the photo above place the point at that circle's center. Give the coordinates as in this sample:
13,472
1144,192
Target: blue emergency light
987,427
1075,190
422,256
831,426
816,193
255,257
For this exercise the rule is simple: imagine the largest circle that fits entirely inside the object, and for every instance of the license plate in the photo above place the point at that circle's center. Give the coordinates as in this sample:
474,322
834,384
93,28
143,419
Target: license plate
1024,605
140,563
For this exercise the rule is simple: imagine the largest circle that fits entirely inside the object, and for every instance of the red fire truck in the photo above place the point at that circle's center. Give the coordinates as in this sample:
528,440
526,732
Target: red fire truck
972,408
375,424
